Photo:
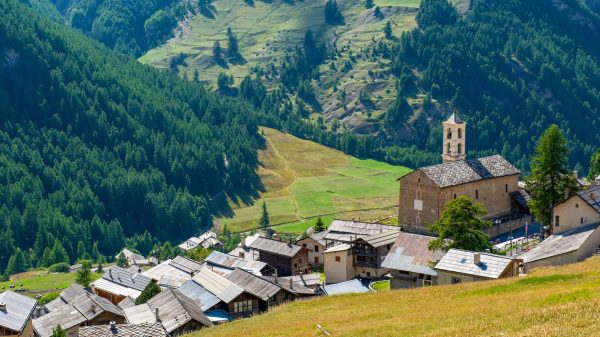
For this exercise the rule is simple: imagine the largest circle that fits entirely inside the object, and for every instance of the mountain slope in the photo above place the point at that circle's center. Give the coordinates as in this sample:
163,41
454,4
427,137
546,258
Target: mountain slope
95,146
560,301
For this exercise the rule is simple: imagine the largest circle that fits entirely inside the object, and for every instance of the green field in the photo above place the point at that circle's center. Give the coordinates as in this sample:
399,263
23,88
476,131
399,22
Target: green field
304,180
561,301
39,282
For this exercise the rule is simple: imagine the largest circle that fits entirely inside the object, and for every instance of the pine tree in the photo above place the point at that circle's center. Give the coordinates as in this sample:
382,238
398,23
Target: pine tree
595,165
264,220
217,51
46,260
95,251
387,30
461,223
333,16
233,50
122,261
166,252
17,263
80,250
319,225
151,290
551,181
58,253
369,4
84,275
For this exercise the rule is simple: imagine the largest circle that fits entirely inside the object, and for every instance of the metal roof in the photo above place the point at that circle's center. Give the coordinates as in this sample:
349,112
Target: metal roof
140,314
359,228
165,268
592,197
288,284
347,287
455,118
219,286
466,171
253,284
558,244
127,302
411,253
126,278
219,316
306,280
232,262
187,265
382,239
18,310
123,330
115,288
197,293
338,248
67,317
462,261
173,282
275,247
176,310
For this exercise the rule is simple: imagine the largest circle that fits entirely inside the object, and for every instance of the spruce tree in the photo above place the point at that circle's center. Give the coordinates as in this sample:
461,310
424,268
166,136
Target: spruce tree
217,51
551,181
84,275
58,253
319,225
122,261
264,220
369,4
333,16
166,252
233,50
388,31
151,290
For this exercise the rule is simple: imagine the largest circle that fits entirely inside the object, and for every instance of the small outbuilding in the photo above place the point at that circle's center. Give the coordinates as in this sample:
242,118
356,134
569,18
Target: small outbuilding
462,266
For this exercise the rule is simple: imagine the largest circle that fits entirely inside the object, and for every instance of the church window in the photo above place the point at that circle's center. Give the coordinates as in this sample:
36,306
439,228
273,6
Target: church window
459,133
459,148
506,188
454,195
476,194
449,134
448,148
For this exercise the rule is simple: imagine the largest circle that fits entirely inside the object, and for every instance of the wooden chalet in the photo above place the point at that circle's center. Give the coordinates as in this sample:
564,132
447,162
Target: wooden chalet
118,283
288,259
16,312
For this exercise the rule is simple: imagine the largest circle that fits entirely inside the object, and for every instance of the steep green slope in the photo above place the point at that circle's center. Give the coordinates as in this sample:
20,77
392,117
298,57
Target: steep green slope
95,146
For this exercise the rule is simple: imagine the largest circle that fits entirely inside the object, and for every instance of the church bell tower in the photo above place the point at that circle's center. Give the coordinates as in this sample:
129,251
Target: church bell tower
454,135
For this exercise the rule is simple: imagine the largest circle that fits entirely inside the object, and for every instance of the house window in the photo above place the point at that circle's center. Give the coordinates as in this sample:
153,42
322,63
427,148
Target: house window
582,220
476,194
576,205
388,247
368,274
506,188
454,195
449,134
295,265
316,259
459,133
316,248
448,148
455,280
556,221
338,259
459,148
304,245
242,307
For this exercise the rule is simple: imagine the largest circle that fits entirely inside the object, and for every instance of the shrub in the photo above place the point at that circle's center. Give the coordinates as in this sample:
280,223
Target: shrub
61,267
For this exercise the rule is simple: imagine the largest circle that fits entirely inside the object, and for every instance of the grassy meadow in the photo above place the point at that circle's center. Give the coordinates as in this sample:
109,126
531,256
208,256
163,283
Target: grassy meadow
304,180
560,301
40,282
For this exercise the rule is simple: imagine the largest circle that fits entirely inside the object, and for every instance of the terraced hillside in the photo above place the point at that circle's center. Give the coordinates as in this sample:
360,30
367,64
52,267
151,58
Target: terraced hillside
559,301
267,29
304,180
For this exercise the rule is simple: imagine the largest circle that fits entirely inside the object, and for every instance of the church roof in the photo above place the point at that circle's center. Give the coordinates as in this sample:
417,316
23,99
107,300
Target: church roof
467,171
455,118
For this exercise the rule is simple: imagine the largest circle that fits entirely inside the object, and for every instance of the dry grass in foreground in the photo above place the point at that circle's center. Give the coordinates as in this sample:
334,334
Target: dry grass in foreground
562,301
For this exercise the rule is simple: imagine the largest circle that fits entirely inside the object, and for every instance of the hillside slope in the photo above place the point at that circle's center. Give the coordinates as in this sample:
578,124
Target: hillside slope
95,146
559,301
303,179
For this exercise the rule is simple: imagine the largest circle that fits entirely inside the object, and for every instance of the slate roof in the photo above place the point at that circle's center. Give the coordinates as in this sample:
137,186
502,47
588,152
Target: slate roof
123,330
381,239
253,284
140,314
558,244
197,293
219,286
176,310
521,197
455,118
411,253
232,262
126,278
592,197
346,231
275,247
470,170
67,317
173,282
88,304
347,287
18,310
462,261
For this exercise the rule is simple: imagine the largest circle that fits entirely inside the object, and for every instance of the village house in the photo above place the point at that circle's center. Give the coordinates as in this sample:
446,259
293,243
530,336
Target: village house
461,266
490,181
118,283
135,259
16,312
242,250
123,330
175,312
206,240
345,231
174,272
338,263
411,262
315,244
575,232
232,262
288,259
76,307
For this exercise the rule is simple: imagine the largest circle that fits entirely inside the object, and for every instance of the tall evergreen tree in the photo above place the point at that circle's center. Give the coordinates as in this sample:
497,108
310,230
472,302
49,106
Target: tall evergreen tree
151,290
551,181
166,252
217,51
122,261
333,16
387,30
595,165
369,4
233,50
264,220
58,253
319,225
84,275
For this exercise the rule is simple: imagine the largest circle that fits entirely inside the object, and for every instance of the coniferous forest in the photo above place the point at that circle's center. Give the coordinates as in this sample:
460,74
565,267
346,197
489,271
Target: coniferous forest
95,147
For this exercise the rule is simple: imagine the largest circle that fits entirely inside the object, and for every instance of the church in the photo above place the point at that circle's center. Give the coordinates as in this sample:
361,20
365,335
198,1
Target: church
491,181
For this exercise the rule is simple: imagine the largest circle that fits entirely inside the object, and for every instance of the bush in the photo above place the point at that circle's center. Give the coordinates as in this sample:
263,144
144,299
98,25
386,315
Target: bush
61,267
47,298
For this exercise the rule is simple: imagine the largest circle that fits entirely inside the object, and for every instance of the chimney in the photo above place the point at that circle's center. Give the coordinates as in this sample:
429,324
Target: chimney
243,242
156,314
291,284
276,279
93,308
113,325
477,258
242,255
110,272
3,306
